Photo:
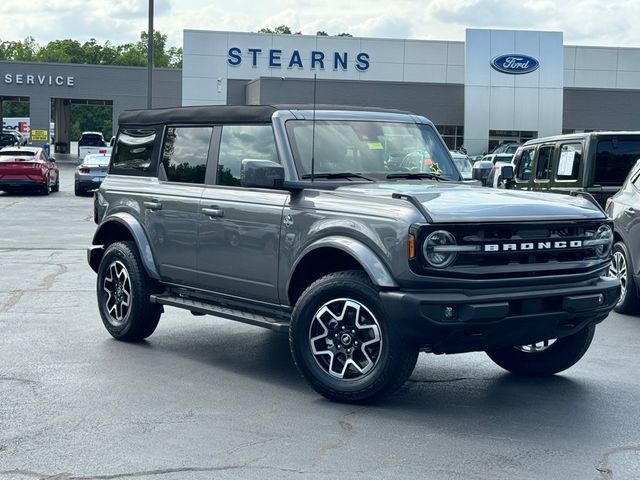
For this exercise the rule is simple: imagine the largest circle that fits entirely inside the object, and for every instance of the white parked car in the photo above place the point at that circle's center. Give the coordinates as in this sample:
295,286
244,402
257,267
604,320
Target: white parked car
92,142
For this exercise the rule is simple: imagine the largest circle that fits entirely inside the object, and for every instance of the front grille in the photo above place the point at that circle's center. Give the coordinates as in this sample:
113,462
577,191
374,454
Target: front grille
515,250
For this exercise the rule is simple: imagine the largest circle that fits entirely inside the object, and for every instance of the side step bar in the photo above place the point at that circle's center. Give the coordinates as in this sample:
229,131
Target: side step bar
280,325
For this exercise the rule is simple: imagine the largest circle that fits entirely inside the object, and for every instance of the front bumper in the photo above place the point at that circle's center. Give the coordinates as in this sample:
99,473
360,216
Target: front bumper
454,321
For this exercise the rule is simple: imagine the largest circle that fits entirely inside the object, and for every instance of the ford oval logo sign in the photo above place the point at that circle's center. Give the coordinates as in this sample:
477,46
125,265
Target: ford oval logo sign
515,64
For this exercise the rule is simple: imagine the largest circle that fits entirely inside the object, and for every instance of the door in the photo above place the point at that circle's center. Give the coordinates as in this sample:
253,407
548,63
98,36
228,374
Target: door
239,228
544,167
173,208
524,168
569,168
626,219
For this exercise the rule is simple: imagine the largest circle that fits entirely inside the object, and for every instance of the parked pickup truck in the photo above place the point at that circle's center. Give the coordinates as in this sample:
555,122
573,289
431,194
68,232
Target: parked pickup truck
295,219
94,143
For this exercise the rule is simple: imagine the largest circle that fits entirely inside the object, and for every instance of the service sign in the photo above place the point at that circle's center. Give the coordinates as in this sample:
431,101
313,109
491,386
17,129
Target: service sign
515,64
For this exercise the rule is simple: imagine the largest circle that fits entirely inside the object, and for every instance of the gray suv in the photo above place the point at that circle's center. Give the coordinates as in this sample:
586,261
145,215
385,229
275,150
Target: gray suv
624,209
350,230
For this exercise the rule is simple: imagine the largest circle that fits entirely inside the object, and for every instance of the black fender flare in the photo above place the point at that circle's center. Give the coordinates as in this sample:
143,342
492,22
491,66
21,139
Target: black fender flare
138,233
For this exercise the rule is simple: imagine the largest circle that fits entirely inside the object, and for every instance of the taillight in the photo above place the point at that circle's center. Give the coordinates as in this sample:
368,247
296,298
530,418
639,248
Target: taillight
103,151
84,170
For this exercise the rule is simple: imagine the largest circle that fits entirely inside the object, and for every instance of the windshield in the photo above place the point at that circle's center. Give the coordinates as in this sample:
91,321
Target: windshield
17,153
370,148
91,140
506,148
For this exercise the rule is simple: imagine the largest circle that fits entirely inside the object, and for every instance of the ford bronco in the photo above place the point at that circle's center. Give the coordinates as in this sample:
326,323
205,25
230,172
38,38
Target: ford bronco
350,230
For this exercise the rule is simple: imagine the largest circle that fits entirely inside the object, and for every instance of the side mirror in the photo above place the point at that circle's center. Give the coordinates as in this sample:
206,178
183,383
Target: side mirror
507,172
52,159
261,174
481,170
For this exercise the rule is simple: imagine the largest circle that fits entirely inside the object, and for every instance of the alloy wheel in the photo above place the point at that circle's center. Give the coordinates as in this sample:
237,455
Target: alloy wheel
117,285
618,268
536,347
345,339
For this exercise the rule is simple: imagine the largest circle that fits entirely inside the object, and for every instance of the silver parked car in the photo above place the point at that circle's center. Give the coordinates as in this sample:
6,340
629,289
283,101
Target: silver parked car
91,172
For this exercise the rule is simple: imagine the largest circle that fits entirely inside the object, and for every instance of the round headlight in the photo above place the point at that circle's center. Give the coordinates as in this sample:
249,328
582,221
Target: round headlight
437,249
604,238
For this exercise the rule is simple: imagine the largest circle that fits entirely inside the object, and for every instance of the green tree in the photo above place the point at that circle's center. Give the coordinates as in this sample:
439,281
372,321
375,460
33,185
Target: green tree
91,118
135,54
15,109
62,51
281,30
286,30
175,57
92,52
21,51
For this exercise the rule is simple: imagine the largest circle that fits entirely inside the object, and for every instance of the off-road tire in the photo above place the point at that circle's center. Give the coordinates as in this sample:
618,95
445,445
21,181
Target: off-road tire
142,316
392,366
621,267
560,355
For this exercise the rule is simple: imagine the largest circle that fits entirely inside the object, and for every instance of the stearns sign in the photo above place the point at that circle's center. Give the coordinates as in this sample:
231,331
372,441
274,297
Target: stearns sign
316,60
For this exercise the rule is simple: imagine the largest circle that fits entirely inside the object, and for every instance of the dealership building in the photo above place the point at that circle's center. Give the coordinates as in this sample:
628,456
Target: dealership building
496,86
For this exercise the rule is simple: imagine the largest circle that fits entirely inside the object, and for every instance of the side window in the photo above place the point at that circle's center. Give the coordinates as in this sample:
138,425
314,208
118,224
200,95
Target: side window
133,153
523,171
569,161
239,142
636,182
614,158
184,158
545,159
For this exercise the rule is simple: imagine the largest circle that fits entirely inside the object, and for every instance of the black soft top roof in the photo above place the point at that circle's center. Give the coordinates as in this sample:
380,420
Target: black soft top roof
224,113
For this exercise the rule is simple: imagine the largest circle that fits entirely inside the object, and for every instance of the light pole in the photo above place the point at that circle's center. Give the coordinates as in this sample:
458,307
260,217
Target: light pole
150,57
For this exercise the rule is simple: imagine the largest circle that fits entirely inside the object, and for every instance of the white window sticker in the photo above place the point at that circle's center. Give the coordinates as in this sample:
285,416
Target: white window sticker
565,166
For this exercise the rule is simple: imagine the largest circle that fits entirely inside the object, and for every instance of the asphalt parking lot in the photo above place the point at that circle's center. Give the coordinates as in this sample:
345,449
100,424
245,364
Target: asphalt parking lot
208,398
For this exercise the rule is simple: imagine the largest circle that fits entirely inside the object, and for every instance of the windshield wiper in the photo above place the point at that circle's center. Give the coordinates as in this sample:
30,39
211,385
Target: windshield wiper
337,175
412,175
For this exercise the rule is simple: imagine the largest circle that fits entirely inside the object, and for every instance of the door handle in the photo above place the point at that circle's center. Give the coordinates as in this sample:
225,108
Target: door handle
152,205
213,212
630,211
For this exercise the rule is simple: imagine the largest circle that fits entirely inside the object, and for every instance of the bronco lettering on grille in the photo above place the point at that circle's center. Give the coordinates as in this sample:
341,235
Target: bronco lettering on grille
506,247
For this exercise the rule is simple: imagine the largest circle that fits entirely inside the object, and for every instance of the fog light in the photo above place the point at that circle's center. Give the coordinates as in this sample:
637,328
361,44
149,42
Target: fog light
449,313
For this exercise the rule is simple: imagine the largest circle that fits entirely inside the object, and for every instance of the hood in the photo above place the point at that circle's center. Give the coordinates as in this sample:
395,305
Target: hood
460,203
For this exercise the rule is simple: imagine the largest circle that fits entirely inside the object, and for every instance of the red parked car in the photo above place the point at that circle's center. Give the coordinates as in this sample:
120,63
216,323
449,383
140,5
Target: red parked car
28,168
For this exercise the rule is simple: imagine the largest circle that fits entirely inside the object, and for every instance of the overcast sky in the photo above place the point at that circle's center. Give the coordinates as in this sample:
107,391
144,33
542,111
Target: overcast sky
584,22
